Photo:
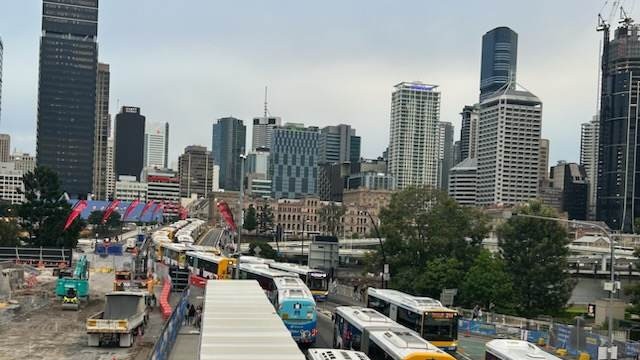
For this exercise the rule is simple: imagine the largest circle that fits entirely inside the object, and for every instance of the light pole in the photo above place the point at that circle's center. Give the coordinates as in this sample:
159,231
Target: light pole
241,217
613,263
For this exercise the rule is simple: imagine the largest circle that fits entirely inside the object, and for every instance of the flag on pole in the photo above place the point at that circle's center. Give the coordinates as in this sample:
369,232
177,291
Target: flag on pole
145,208
226,213
75,212
130,208
109,210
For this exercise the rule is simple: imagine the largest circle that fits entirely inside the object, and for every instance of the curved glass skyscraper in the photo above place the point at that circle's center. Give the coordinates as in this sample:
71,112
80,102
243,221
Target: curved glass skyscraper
499,59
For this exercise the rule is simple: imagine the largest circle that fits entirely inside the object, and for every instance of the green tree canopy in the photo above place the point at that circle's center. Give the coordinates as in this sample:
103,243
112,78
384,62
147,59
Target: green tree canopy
330,217
45,211
95,217
487,282
430,279
262,249
535,254
250,221
265,218
9,233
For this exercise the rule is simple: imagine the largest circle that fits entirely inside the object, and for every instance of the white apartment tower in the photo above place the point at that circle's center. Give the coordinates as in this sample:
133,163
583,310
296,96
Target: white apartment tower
413,143
156,144
262,130
509,148
589,139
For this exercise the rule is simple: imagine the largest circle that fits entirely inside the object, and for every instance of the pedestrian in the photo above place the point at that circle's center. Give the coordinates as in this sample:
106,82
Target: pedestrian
355,292
198,317
192,314
475,313
186,313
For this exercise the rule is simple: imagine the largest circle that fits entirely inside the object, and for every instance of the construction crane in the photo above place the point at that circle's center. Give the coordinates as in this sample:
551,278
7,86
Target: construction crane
71,288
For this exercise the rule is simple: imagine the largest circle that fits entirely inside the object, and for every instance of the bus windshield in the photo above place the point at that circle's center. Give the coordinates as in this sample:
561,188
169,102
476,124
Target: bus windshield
440,327
317,282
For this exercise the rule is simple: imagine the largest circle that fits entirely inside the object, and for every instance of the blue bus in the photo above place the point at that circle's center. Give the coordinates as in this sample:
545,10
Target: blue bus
297,308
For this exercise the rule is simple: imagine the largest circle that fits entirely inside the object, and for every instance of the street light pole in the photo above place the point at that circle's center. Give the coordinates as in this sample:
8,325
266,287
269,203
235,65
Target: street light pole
612,272
241,217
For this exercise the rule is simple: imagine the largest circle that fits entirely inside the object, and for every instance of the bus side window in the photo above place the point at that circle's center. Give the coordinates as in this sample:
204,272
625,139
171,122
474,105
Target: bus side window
375,352
379,305
490,356
409,319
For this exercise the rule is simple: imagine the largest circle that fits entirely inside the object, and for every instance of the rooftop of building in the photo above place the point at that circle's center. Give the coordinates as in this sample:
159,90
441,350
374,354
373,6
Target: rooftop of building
415,85
512,95
466,164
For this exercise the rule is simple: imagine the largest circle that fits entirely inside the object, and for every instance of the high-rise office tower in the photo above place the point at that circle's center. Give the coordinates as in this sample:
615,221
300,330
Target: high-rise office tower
293,161
499,60
543,163
156,144
463,180
469,131
1,52
590,132
228,143
262,130
129,142
67,92
23,162
618,202
413,147
338,144
102,132
5,147
445,153
195,167
509,148
571,179
110,182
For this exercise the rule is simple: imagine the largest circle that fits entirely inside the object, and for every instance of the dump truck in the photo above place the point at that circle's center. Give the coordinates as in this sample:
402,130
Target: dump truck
124,317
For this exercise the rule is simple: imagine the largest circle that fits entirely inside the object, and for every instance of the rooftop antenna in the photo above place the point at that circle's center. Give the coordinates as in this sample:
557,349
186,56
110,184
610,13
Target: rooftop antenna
266,110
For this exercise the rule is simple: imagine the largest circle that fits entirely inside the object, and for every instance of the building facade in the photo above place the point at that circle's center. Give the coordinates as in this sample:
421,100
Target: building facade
589,135
110,183
23,162
156,144
67,92
257,162
543,163
469,131
509,148
1,52
463,180
618,198
413,146
338,144
293,161
129,142
10,182
371,180
445,153
262,131
572,180
163,187
102,132
195,167
228,143
499,61
5,147
128,188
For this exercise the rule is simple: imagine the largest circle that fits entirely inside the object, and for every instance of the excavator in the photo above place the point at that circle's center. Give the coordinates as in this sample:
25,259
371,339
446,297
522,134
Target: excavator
73,287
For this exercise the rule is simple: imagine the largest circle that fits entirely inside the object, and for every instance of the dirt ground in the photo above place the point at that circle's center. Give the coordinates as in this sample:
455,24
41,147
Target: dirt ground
52,333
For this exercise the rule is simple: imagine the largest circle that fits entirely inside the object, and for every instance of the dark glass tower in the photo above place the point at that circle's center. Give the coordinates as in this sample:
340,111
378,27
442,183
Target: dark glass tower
228,143
67,92
499,59
618,192
129,142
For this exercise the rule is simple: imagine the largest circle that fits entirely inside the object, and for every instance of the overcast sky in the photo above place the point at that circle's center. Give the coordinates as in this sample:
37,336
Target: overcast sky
327,62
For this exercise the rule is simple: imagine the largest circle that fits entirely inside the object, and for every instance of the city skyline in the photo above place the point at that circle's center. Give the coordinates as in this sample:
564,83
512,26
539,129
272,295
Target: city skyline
203,92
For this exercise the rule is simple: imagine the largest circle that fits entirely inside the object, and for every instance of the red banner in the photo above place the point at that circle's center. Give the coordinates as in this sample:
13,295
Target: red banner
183,213
155,210
75,212
130,208
145,208
226,213
109,210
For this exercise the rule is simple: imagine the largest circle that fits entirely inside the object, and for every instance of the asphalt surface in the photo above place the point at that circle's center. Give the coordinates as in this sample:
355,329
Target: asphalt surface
210,237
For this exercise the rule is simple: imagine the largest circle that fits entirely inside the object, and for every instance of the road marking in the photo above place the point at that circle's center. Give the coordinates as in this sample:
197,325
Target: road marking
465,357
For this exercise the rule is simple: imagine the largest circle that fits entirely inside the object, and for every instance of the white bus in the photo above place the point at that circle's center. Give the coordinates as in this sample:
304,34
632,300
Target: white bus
316,280
207,265
265,277
505,349
366,330
426,316
335,354
255,260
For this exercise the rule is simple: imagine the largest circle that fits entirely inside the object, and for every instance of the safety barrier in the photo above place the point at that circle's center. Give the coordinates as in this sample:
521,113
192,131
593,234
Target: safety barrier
165,307
170,330
198,281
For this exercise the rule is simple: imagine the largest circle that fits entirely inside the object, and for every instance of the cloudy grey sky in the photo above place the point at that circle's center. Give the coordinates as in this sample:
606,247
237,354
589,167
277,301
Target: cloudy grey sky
326,62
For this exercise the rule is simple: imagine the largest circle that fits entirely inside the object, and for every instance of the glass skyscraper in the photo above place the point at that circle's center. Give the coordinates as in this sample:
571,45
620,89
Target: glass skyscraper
228,143
67,92
499,60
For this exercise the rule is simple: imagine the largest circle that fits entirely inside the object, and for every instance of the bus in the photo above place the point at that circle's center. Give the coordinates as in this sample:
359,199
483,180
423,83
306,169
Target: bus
255,260
426,316
208,265
506,349
265,276
335,354
316,280
297,309
174,254
366,330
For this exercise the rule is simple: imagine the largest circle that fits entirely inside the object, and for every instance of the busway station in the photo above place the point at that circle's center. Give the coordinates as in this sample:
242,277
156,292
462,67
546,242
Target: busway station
239,322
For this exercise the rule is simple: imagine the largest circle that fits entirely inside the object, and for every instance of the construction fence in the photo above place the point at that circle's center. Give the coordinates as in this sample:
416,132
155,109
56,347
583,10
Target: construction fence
170,330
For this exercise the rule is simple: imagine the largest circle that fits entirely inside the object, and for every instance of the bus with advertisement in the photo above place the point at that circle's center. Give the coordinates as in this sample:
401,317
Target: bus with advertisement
426,316
297,309
316,280
207,265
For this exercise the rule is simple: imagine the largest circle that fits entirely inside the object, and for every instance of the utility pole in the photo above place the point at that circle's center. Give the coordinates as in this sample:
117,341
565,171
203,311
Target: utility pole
241,217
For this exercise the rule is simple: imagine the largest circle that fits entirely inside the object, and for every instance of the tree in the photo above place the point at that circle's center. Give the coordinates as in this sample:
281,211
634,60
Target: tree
9,233
262,249
487,282
535,254
265,218
250,220
437,274
45,211
95,217
331,217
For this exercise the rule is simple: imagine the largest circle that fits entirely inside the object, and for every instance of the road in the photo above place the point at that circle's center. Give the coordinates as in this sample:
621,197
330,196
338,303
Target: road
210,237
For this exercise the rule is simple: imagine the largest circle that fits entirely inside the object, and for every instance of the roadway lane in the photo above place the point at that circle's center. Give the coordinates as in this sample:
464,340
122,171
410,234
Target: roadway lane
325,331
210,237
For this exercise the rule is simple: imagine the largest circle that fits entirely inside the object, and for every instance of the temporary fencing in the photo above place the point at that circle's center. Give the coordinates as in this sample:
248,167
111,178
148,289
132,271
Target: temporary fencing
170,330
